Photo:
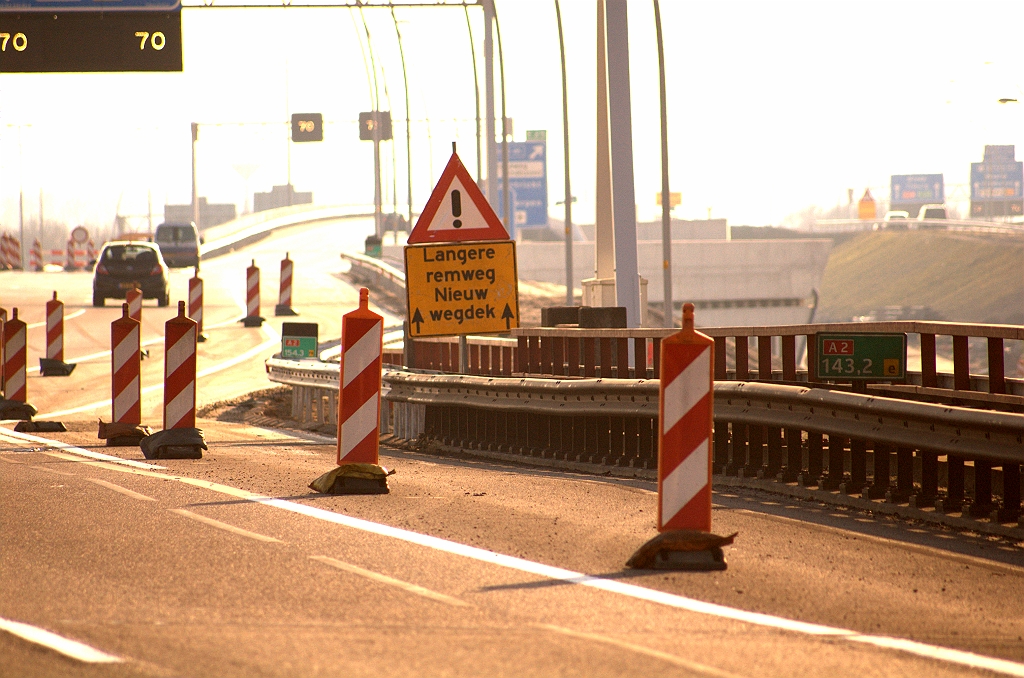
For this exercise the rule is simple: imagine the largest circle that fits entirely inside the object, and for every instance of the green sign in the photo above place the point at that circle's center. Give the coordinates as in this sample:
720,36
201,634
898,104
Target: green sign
299,340
861,356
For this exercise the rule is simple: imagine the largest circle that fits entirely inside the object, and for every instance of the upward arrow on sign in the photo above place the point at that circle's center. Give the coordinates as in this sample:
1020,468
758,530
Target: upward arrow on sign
457,211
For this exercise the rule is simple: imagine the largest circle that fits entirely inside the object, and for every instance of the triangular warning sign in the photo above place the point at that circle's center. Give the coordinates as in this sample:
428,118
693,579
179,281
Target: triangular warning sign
456,211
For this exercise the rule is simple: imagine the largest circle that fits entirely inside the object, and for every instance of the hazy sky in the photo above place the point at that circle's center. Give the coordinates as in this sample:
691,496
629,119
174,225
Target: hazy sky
773,106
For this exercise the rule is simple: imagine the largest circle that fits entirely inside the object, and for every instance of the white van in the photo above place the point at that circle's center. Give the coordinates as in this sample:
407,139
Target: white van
931,212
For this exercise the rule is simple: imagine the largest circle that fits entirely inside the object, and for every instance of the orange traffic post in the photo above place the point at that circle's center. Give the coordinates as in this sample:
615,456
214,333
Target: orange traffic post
252,297
180,438
125,383
195,303
362,342
14,404
686,405
134,298
284,299
53,364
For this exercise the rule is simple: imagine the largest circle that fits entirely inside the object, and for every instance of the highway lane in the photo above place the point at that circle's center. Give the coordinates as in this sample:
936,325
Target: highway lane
132,564
231,359
279,586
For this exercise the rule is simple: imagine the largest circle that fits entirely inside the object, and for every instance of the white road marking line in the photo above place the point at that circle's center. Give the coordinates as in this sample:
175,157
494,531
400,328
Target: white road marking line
123,490
639,649
52,470
934,652
384,579
65,646
69,316
225,526
15,437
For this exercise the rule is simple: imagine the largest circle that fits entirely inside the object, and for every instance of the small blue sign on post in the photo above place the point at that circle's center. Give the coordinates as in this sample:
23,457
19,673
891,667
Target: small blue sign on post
88,5
528,184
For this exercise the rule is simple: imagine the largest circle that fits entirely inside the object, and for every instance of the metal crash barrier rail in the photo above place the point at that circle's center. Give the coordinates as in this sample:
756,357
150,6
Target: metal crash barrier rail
919,454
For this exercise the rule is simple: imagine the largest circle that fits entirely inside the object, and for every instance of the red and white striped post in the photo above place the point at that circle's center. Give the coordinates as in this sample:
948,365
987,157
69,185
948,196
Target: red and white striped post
134,298
3,251
15,359
684,441
125,369
90,252
195,303
362,340
180,371
3,321
252,297
71,264
55,329
284,298
35,256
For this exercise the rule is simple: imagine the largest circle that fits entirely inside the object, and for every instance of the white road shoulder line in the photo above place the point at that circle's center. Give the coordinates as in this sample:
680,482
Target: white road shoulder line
65,646
15,437
933,652
639,649
123,490
225,526
384,579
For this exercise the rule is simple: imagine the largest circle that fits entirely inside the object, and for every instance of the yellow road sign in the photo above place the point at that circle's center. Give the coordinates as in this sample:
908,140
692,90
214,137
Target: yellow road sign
461,288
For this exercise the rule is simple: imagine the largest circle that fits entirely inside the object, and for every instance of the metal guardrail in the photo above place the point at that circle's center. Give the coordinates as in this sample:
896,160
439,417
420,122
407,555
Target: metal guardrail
970,226
920,454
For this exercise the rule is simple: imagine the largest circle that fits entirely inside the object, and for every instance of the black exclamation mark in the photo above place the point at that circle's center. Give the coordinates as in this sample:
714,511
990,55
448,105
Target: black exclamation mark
457,208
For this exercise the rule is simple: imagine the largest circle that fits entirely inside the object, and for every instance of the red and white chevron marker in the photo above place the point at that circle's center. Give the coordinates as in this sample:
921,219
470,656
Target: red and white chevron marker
362,340
284,298
55,329
195,303
3,321
134,297
180,371
125,368
252,296
684,441
15,358
35,256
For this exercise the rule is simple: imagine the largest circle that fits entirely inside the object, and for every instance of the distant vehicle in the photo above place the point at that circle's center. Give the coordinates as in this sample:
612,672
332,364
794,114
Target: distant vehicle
897,220
179,243
124,265
896,215
932,212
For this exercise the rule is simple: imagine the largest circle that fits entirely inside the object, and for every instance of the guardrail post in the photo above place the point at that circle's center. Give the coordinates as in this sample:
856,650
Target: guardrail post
982,505
721,361
836,463
640,358
929,479
929,378
794,455
815,454
858,467
881,457
755,453
1010,512
789,358
996,369
954,500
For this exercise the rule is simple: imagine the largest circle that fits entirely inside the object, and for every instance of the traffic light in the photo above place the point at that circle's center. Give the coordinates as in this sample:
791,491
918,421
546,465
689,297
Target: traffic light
368,119
307,127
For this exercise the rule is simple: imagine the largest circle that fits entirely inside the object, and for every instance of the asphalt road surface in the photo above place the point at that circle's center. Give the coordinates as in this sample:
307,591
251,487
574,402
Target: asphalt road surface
231,566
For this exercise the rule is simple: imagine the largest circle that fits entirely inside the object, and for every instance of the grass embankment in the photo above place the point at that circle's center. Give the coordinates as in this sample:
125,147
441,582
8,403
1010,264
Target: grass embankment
962,277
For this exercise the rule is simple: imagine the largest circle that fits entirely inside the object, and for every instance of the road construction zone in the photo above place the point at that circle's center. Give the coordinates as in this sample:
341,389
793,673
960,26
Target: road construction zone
462,288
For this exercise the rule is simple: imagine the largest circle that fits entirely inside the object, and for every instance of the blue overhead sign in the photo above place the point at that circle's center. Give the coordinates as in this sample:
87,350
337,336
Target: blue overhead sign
916,188
87,5
997,184
528,183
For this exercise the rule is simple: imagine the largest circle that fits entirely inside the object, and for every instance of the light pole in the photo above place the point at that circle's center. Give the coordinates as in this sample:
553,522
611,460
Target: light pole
476,91
666,201
408,117
195,194
569,297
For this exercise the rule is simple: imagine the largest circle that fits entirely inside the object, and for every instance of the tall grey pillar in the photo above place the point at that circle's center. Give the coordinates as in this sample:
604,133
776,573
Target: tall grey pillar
627,279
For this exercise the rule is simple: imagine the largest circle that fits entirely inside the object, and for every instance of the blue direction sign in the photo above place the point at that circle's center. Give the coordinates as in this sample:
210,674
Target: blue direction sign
87,5
916,188
528,183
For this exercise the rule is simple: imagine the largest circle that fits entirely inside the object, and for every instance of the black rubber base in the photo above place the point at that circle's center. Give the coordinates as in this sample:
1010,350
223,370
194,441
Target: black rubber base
252,321
359,486
284,310
55,368
40,427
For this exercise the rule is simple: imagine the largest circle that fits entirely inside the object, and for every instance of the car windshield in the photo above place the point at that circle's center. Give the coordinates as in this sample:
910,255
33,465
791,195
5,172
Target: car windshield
129,254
